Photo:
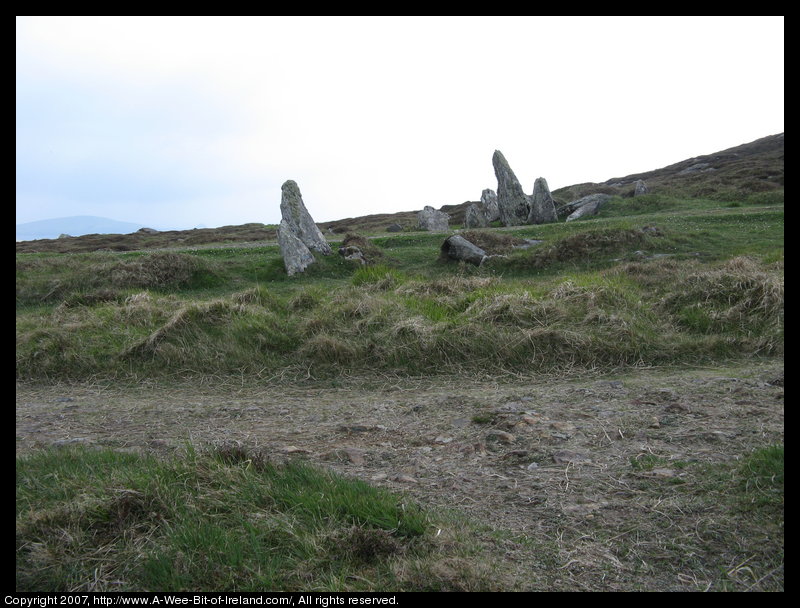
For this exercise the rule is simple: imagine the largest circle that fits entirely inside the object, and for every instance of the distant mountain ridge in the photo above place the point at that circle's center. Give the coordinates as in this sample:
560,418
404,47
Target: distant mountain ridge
77,225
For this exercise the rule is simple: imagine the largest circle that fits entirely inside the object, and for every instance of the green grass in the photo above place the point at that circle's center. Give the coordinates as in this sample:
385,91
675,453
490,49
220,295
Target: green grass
221,520
660,288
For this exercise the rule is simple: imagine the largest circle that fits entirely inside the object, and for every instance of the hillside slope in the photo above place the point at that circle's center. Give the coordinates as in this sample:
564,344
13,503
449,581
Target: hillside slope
752,172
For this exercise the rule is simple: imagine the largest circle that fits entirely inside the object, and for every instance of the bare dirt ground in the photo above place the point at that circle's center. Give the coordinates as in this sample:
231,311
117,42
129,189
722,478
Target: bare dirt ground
595,480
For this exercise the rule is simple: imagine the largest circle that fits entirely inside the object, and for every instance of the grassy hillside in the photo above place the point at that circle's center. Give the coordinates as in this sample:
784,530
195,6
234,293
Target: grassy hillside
752,173
654,280
203,470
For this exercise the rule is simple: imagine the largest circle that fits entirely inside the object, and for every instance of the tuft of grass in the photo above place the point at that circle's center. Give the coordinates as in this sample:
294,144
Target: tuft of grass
762,478
225,519
378,276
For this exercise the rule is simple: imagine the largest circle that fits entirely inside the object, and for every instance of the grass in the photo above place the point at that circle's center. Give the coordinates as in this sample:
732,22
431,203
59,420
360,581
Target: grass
652,290
228,519
223,519
692,274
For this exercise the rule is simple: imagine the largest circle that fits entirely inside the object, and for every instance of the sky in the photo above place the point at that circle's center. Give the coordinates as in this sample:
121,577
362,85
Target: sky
180,122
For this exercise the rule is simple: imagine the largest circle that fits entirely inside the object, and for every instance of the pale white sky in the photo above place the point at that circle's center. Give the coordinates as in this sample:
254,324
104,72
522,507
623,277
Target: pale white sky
174,122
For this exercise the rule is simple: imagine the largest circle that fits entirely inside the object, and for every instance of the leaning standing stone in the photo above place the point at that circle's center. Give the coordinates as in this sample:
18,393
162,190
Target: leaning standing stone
296,256
543,207
299,221
512,202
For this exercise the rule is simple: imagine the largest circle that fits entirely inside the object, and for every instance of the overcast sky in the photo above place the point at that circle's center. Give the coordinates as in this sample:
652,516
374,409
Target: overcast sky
175,122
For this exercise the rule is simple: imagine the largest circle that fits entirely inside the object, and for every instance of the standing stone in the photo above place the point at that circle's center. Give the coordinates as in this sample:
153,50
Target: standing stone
474,217
296,256
512,202
433,220
543,207
489,202
299,221
640,188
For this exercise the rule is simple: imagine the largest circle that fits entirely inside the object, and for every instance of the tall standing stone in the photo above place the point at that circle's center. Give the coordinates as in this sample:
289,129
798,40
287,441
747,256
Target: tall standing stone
299,221
489,202
296,256
512,202
543,207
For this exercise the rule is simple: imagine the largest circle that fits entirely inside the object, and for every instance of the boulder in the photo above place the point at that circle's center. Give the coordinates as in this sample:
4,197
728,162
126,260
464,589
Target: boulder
640,188
299,221
433,220
353,254
512,202
489,202
588,205
543,207
458,248
474,217
394,228
296,256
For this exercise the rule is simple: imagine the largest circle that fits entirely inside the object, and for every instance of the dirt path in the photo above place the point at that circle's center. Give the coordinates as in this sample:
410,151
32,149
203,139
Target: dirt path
560,463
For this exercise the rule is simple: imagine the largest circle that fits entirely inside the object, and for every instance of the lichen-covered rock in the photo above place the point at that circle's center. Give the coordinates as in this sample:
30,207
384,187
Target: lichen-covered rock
512,202
296,256
588,205
489,203
543,207
298,219
433,220
474,217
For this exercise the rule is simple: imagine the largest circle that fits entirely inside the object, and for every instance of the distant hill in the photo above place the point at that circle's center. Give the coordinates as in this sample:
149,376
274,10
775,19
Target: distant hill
752,172
77,225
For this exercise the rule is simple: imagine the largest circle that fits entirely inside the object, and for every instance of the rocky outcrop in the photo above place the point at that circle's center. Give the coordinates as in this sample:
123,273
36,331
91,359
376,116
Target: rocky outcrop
474,217
543,207
512,202
458,248
489,203
640,188
299,221
296,256
588,205
433,220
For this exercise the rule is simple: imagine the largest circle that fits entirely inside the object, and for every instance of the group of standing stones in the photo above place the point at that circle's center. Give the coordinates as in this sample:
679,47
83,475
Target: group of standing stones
512,207
298,235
